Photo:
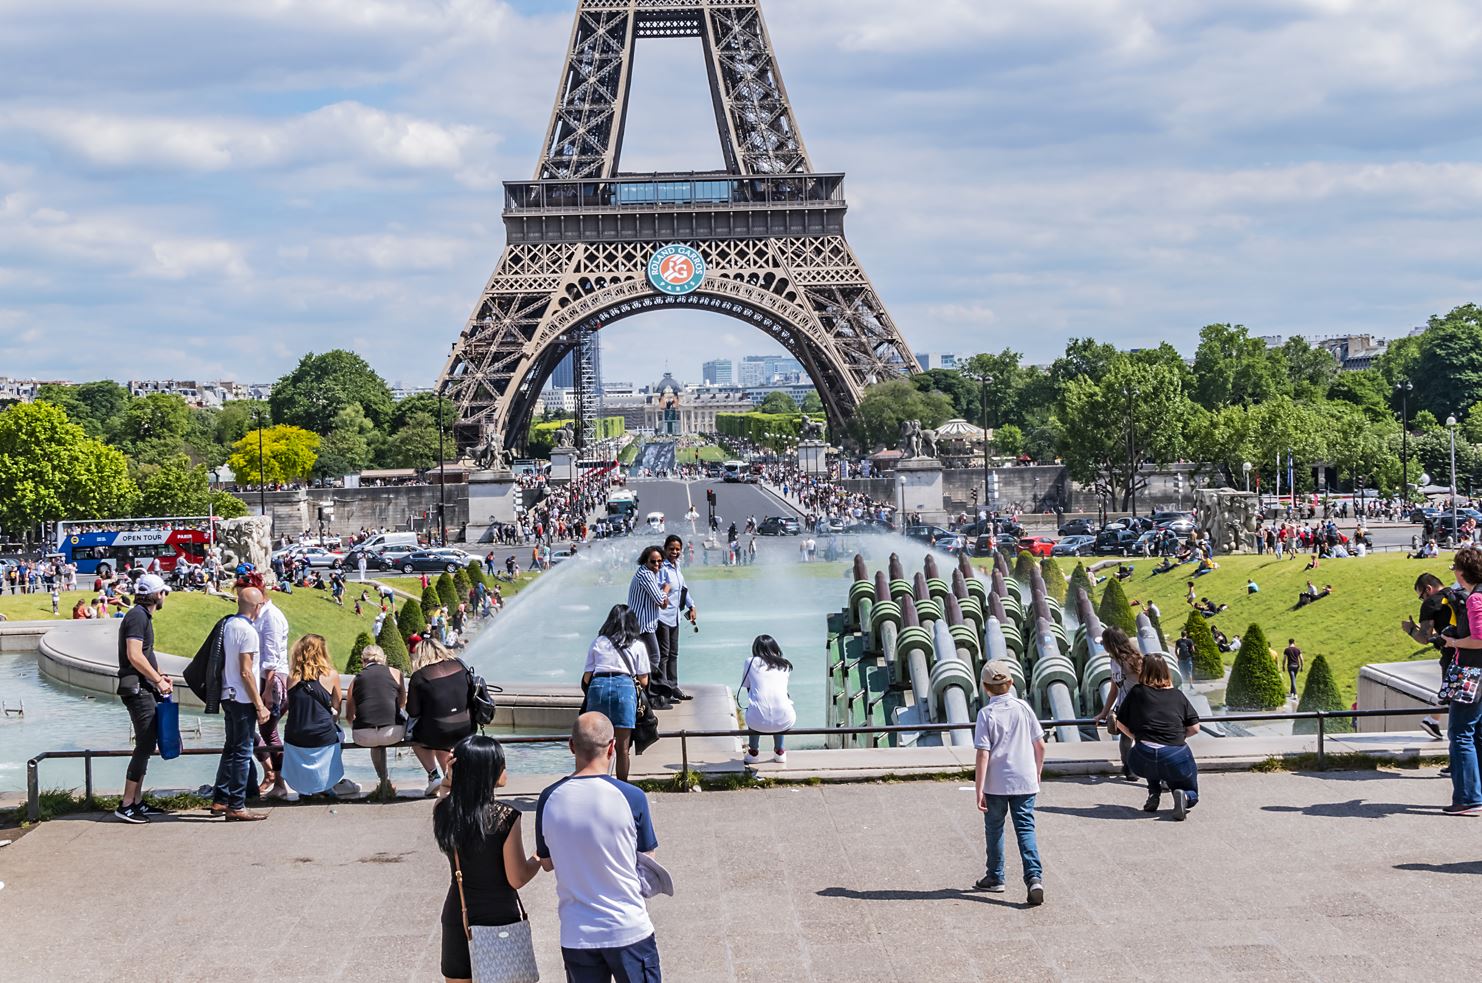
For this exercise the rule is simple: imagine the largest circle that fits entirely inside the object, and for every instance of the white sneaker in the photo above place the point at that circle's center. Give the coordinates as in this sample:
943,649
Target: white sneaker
750,759
780,757
346,788
434,785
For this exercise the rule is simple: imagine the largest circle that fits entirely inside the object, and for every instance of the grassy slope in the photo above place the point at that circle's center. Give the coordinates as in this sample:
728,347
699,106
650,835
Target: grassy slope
1357,625
413,585
186,618
708,454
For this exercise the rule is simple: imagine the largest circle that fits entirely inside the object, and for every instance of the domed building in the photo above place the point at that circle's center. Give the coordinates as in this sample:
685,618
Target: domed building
672,409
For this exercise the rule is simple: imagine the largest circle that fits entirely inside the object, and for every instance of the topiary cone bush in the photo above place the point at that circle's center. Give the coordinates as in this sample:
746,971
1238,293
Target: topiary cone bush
394,646
1054,579
1023,565
447,592
410,620
462,584
476,574
1208,664
1115,611
1080,578
430,601
354,665
1321,693
1255,682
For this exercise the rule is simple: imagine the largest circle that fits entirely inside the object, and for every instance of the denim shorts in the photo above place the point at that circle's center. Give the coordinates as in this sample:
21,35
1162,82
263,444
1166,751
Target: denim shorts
615,698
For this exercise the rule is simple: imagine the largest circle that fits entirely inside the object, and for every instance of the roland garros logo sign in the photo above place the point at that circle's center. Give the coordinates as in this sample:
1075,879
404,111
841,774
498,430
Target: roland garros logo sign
676,270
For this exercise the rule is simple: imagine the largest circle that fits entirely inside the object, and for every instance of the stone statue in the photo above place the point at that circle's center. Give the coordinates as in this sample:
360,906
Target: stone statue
1228,517
246,540
929,443
491,455
910,439
812,429
565,437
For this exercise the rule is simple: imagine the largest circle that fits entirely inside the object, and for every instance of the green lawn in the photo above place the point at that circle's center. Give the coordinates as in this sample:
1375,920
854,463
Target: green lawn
1357,625
413,585
186,618
707,454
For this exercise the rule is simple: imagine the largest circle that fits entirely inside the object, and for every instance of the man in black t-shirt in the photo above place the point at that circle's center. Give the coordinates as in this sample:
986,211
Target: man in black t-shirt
141,686
1435,616
1293,660
1184,650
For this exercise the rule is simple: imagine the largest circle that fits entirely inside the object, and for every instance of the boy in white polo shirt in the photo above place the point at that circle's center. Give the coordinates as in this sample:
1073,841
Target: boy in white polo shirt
1011,755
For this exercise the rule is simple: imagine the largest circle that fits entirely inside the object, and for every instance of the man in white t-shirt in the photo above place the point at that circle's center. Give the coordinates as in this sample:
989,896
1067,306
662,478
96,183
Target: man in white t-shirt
241,706
1011,754
272,633
589,829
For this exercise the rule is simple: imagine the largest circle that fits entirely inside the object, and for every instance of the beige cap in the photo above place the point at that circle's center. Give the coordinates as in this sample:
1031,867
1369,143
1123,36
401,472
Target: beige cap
997,673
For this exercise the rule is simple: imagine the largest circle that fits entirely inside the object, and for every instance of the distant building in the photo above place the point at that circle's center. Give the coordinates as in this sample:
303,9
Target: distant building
400,392
720,372
564,374
19,390
762,370
939,360
1354,352
558,401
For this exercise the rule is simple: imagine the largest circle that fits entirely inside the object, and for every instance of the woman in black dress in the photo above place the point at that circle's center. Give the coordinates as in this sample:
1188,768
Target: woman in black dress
437,700
485,837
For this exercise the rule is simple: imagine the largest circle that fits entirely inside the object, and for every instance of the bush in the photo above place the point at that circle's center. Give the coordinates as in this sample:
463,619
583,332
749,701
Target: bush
1255,682
394,646
1321,693
354,665
1208,664
1023,566
476,574
430,602
1079,578
410,620
461,584
447,591
1054,580
1115,611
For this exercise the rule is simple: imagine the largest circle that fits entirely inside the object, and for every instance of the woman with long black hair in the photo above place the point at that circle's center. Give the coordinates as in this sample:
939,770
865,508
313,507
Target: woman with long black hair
770,709
617,663
1126,667
481,836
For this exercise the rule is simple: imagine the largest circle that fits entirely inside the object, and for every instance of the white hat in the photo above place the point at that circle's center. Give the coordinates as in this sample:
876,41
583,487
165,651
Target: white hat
653,878
150,584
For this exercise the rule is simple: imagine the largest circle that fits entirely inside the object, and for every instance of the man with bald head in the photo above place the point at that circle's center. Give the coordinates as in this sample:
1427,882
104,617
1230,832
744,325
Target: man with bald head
589,829
242,707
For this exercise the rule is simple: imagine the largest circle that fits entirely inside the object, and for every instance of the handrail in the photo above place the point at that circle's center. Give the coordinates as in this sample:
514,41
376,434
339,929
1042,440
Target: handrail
33,766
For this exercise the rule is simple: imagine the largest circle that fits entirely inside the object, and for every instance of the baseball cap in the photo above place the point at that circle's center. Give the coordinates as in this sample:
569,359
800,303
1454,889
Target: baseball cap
150,584
997,673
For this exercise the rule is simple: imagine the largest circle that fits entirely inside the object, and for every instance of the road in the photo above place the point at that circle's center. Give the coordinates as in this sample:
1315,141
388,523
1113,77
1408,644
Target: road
733,503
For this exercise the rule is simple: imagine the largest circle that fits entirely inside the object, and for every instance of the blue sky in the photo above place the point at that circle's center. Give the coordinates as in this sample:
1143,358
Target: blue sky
209,189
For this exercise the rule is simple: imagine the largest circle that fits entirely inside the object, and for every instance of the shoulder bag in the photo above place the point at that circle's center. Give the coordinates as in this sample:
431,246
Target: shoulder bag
1460,684
498,953
645,721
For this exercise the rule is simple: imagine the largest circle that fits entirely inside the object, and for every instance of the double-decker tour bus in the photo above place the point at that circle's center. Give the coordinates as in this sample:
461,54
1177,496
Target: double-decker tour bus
105,547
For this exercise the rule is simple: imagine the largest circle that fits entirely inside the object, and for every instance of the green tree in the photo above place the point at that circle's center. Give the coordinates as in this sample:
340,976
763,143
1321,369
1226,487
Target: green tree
1023,566
812,403
50,469
312,395
1448,371
447,592
461,583
1321,693
476,574
428,404
957,387
66,399
1255,682
411,620
1311,369
1366,389
1009,392
778,404
1080,580
887,405
1008,441
238,418
1084,358
415,445
350,445
178,487
394,646
1231,367
1207,661
430,601
154,418
353,665
1055,581
1115,611
288,454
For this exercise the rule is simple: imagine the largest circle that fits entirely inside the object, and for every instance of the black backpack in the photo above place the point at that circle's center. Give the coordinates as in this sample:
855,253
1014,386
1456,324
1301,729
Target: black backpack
1454,603
203,674
480,697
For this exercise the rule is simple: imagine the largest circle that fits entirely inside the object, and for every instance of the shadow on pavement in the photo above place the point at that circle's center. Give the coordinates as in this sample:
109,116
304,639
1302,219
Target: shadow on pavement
943,894
1461,867
1103,811
1357,809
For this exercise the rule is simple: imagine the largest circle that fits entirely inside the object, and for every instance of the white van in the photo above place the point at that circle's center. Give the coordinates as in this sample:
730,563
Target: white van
382,540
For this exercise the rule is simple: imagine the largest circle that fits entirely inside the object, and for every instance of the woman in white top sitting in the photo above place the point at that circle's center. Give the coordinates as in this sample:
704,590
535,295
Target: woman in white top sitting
770,710
616,661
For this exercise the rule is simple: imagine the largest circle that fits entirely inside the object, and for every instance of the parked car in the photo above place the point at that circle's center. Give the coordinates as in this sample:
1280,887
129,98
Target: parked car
1181,523
1425,514
560,556
779,525
936,537
655,521
1115,542
1079,527
321,558
427,561
1074,546
374,559
1037,545
985,544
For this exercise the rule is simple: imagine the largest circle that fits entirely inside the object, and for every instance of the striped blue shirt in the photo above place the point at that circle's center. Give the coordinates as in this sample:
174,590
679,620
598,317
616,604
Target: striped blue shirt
645,598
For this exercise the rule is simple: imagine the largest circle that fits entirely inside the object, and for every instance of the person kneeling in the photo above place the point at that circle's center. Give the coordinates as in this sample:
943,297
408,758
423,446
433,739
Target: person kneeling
1160,719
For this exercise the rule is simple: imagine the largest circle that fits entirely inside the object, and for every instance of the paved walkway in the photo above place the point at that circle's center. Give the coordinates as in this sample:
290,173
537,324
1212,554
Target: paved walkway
1274,877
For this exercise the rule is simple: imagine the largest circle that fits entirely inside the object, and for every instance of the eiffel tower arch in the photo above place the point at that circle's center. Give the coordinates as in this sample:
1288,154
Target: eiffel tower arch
762,241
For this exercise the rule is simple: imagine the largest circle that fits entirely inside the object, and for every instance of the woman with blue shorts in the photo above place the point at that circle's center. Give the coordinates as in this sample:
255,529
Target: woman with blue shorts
616,661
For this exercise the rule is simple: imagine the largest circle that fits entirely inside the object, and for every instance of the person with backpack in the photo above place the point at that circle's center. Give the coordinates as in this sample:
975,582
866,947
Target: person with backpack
1460,685
243,707
1433,618
141,687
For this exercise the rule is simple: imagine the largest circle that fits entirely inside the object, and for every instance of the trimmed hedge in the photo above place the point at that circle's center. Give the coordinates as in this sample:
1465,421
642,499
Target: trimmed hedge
1080,578
354,665
430,602
1023,566
447,591
1321,693
410,620
462,584
1255,682
476,575
1208,663
394,646
1054,579
1115,611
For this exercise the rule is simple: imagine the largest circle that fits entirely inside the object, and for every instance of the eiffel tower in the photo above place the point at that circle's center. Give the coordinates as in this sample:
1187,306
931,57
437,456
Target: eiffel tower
762,241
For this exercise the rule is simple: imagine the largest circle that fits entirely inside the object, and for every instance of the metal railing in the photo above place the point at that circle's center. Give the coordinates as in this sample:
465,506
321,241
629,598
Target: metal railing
33,766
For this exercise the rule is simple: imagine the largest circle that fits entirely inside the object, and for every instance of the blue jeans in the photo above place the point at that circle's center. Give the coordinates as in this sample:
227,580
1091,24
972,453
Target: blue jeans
236,755
636,963
1464,726
754,741
1021,808
1173,767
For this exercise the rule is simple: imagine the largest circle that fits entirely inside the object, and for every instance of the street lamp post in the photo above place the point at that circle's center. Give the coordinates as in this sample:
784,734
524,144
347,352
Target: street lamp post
985,381
1455,528
262,482
1131,451
1246,468
442,470
1404,389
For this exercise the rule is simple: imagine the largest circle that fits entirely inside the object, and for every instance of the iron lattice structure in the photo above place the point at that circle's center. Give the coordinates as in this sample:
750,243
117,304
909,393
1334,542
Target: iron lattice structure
581,234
